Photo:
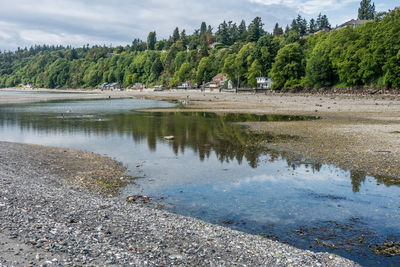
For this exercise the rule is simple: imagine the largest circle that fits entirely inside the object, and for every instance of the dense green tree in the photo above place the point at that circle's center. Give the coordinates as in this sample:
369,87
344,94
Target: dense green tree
185,72
151,41
322,22
224,33
366,10
243,61
184,38
277,30
242,31
203,28
230,69
160,45
137,45
255,30
312,26
265,51
367,55
175,35
204,71
156,68
255,71
288,68
319,69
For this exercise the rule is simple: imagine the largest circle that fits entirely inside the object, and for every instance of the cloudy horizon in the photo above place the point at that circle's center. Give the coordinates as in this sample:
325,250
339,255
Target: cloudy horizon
80,22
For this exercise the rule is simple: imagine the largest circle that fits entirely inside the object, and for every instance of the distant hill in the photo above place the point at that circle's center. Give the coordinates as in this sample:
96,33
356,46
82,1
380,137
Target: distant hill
306,54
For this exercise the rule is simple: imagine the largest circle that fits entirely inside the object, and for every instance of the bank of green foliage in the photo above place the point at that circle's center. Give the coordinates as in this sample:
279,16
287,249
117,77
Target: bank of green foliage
367,55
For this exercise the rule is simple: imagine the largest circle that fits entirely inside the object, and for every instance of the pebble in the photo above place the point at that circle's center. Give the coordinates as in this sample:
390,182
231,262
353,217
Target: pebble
138,234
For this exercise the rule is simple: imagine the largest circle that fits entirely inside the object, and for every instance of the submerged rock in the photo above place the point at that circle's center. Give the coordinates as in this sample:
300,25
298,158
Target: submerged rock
133,199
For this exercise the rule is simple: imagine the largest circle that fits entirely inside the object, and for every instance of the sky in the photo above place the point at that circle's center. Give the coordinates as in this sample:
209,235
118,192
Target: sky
24,23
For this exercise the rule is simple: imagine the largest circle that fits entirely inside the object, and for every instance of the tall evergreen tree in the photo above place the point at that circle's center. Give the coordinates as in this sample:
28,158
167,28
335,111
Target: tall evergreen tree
294,26
242,30
366,10
312,26
223,33
203,28
255,30
151,41
137,45
287,29
175,35
184,38
322,22
233,32
277,30
209,29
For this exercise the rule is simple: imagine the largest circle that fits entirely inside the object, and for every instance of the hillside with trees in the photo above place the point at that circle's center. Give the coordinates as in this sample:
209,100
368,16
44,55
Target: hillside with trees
304,54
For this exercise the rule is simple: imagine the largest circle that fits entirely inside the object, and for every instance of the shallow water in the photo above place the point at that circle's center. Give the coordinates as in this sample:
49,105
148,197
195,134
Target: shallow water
215,170
36,92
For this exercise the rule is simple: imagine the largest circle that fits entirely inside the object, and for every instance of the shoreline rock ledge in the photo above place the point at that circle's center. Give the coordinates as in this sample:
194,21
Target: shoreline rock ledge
47,220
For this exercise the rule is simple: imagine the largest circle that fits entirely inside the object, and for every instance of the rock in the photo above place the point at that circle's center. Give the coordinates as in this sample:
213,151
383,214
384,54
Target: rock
133,199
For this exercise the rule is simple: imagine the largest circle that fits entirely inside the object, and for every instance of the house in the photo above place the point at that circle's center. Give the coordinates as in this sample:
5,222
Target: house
326,29
111,54
214,45
158,88
264,82
187,85
111,86
30,86
218,81
103,86
353,23
138,86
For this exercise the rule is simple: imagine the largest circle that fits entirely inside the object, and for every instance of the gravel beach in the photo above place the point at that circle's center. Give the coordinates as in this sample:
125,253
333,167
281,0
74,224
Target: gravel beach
46,219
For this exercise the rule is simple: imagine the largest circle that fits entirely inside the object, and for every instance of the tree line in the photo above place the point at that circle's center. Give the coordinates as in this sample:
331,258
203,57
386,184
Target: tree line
304,54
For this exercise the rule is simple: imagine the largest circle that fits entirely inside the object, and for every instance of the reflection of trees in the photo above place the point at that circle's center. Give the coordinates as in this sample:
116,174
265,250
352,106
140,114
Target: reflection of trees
357,177
202,132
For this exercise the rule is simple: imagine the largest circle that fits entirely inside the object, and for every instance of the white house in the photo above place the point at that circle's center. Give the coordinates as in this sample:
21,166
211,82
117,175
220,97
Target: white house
264,82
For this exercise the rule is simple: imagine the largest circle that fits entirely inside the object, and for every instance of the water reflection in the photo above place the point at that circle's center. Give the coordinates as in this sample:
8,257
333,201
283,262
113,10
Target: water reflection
200,131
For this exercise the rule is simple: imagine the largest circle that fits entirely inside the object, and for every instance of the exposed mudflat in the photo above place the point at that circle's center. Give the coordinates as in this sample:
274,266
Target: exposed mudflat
45,218
360,133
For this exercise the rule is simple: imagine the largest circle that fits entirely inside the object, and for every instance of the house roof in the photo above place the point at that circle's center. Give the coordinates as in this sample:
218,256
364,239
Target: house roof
353,22
219,77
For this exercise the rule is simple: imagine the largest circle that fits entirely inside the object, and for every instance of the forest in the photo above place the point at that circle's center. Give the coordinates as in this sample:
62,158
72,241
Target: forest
304,54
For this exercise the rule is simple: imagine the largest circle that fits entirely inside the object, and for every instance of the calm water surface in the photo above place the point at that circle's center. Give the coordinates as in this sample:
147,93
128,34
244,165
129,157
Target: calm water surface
37,92
214,170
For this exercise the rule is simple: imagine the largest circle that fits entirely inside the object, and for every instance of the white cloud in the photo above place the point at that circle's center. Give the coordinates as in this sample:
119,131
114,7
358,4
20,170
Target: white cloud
309,6
78,22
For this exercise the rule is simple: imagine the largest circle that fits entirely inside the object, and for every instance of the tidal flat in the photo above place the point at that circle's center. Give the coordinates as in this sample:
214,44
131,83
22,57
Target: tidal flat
231,161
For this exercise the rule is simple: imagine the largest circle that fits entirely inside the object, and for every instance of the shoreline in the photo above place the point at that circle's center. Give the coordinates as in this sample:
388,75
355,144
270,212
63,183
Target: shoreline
46,219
